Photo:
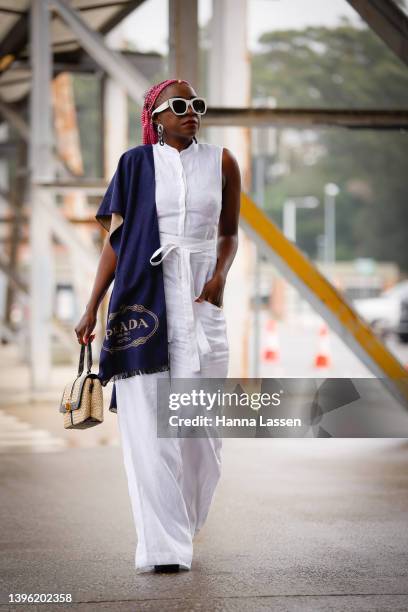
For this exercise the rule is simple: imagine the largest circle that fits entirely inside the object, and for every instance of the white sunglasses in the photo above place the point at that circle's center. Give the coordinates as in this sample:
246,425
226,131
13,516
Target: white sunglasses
179,106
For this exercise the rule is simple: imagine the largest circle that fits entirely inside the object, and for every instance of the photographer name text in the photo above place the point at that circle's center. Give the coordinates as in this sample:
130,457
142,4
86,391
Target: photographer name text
223,421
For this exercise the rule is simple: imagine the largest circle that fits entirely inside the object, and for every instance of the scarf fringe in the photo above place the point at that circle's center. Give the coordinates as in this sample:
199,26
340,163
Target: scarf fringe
130,373
136,372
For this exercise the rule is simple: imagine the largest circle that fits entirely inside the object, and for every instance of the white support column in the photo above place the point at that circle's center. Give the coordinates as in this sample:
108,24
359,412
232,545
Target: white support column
116,114
4,206
229,85
41,169
229,75
115,125
183,41
115,142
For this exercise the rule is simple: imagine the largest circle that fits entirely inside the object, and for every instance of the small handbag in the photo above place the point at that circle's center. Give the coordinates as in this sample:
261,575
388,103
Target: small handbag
82,400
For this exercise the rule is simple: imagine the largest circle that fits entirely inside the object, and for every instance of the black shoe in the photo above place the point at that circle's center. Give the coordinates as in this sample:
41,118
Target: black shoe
167,568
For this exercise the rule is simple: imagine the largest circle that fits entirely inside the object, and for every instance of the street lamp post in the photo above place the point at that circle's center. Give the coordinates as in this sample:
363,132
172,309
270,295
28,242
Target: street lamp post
331,190
289,229
289,213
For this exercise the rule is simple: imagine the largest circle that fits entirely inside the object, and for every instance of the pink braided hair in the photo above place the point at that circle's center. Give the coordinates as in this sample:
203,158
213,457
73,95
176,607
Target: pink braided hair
149,134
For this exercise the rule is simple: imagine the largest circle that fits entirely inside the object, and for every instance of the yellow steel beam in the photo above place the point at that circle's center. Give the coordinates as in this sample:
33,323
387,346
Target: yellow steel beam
325,298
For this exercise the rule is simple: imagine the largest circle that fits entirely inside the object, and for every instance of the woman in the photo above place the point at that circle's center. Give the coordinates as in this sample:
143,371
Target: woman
172,481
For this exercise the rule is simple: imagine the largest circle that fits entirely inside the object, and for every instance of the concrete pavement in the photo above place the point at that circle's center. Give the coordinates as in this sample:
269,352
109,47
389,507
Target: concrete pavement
317,524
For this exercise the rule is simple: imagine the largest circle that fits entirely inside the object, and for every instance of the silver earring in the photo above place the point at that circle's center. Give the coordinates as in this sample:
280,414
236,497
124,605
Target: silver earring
160,130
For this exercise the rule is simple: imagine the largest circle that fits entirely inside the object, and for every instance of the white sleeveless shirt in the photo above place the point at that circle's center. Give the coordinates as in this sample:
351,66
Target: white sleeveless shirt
189,201
188,189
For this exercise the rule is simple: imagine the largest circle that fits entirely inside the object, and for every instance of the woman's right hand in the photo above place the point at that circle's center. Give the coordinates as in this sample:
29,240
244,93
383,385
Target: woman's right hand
85,326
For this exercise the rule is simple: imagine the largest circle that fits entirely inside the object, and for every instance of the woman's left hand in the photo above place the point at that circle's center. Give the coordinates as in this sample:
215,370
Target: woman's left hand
213,291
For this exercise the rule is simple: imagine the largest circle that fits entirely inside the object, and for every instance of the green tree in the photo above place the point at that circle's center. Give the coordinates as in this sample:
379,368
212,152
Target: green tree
342,67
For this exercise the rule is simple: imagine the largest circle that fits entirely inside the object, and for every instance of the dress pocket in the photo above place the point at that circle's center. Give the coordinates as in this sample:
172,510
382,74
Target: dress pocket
211,305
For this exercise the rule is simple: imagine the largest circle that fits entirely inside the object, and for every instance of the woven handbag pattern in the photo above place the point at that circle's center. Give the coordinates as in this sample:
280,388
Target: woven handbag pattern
82,399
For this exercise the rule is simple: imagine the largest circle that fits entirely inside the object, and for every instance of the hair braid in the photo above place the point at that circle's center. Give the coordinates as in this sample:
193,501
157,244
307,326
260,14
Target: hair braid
148,132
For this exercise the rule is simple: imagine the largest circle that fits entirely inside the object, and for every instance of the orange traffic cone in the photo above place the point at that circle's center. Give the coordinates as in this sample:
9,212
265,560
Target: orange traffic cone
271,350
323,359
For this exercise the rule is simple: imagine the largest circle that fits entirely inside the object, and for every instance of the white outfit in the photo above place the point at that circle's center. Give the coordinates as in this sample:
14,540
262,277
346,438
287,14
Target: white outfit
172,481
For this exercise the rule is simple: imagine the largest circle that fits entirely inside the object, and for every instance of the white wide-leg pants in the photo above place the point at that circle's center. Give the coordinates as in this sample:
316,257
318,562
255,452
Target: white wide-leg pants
171,481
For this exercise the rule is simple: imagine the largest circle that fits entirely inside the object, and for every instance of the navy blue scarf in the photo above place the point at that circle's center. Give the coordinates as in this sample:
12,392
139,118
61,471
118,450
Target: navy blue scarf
135,340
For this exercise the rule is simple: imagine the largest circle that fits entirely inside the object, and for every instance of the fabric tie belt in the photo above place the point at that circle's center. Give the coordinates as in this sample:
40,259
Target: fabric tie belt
185,245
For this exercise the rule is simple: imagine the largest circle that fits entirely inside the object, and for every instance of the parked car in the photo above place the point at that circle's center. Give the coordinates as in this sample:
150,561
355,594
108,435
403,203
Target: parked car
383,313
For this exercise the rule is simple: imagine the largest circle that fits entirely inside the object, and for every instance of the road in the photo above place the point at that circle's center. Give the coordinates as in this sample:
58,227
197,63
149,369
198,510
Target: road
297,344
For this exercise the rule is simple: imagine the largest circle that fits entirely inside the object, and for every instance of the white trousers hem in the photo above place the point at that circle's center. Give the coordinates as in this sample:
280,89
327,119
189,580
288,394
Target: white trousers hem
147,565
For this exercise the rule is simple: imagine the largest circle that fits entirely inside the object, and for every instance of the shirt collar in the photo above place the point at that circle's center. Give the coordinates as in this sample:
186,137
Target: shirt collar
169,150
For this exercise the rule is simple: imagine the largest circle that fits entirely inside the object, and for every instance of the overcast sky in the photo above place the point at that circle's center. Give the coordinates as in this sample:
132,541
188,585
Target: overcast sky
147,26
